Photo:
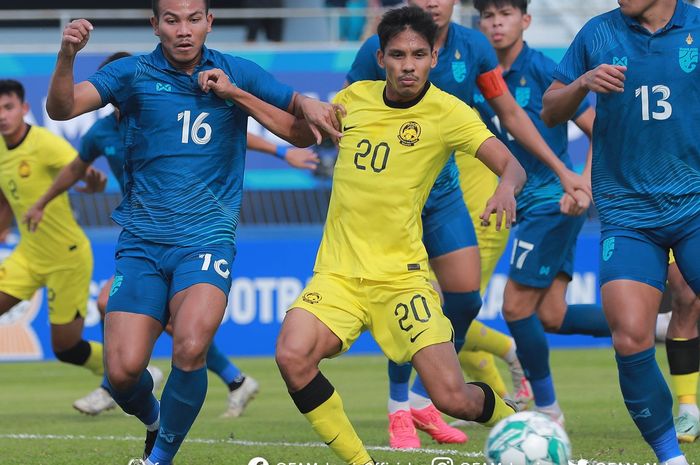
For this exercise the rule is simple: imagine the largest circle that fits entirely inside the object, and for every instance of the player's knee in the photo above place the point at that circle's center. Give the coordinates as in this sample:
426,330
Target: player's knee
628,343
190,353
294,359
122,376
75,355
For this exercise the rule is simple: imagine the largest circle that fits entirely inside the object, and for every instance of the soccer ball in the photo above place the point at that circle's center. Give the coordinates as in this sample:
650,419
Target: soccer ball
528,438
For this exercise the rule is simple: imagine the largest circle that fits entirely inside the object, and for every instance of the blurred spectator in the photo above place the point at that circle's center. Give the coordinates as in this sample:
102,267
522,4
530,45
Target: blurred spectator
272,26
350,27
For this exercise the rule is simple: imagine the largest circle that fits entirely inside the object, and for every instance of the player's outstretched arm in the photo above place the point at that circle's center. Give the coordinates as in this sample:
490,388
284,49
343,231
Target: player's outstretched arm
281,123
519,125
67,177
296,157
67,99
560,101
494,154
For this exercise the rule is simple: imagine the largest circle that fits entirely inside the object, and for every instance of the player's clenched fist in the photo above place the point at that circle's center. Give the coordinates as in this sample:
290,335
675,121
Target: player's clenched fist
215,80
75,35
605,79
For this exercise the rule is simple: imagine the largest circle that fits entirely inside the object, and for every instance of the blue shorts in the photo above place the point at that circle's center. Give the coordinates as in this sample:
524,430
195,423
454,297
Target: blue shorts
447,225
642,254
544,245
148,275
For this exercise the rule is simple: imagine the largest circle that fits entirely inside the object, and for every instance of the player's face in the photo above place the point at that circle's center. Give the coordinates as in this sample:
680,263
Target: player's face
635,8
407,60
182,26
440,10
12,112
503,26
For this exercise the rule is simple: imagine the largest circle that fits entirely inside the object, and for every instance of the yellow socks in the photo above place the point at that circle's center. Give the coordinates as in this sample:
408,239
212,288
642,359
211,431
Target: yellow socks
481,366
322,406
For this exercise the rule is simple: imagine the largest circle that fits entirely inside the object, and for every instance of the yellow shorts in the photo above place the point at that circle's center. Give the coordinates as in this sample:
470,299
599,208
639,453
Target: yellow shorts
478,185
67,283
671,257
404,316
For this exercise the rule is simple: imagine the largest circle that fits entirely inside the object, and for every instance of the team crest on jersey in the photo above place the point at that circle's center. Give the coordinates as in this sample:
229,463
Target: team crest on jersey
409,134
608,248
459,70
522,95
24,169
688,58
311,297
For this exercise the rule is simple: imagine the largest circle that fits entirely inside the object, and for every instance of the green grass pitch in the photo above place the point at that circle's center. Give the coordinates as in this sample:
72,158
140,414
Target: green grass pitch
39,427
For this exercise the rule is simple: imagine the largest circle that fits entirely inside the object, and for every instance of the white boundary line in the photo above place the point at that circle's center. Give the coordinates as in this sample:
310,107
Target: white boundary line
244,443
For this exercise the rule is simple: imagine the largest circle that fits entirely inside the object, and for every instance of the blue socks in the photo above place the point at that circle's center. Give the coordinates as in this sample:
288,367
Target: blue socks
649,401
533,353
398,381
139,400
221,365
585,319
181,401
461,308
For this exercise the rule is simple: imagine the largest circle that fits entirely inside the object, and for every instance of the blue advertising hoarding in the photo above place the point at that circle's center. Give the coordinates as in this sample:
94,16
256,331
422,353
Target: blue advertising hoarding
270,270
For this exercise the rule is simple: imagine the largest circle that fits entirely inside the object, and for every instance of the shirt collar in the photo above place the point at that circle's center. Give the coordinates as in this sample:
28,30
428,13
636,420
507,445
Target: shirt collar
161,62
677,20
519,62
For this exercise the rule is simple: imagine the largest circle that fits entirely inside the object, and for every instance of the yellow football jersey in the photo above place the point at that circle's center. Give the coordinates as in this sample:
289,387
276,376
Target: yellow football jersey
26,172
390,155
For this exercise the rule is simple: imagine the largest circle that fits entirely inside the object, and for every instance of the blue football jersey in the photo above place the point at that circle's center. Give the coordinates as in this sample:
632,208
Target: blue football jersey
465,55
528,78
646,152
104,139
185,150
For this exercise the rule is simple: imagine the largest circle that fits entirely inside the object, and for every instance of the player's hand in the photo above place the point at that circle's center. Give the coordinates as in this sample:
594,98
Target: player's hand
501,204
215,80
577,187
4,234
75,35
33,217
605,79
302,158
95,181
571,206
322,116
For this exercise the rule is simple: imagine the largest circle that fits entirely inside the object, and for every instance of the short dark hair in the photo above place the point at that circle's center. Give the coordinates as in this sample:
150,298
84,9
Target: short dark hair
395,21
156,12
10,86
481,5
113,57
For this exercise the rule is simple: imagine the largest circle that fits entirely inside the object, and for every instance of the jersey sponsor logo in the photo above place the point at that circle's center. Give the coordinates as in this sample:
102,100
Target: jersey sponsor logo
619,61
608,248
479,98
311,297
409,133
116,284
347,128
522,95
160,87
413,267
544,270
24,170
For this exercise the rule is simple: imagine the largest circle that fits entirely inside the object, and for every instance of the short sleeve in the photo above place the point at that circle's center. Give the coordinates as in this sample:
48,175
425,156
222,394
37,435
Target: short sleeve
462,130
114,79
365,66
488,60
575,61
252,78
88,149
59,152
